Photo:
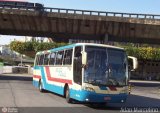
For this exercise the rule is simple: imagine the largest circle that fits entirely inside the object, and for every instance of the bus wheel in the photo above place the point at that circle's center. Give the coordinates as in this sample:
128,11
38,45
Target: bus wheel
41,87
67,94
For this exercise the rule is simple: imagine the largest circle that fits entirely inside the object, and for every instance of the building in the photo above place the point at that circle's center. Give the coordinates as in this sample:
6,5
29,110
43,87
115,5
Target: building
5,51
37,39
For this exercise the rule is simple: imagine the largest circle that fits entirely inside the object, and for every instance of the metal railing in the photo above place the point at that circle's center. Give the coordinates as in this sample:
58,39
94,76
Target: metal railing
102,13
86,12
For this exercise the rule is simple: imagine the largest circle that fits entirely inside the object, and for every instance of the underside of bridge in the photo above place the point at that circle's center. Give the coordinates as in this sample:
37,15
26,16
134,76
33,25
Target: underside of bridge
64,26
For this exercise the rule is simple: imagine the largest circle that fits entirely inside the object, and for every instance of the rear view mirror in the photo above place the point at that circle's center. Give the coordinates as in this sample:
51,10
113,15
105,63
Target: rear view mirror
84,58
133,63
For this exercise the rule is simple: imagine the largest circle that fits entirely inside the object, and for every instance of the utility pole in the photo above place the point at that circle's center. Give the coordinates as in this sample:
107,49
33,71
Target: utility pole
21,59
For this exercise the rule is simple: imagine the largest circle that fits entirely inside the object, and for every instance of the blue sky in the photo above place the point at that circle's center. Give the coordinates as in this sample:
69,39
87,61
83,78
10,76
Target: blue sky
133,6
126,6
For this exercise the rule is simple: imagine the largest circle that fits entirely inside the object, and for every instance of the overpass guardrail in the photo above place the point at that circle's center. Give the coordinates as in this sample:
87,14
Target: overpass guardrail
102,13
86,12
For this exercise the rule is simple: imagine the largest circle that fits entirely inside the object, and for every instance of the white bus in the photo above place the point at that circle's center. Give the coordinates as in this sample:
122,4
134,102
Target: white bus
86,72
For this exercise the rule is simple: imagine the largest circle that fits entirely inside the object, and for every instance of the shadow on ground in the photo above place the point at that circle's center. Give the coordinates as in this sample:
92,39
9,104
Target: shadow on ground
133,101
19,78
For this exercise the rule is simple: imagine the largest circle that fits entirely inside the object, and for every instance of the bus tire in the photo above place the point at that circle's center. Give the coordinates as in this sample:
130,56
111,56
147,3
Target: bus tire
67,95
41,87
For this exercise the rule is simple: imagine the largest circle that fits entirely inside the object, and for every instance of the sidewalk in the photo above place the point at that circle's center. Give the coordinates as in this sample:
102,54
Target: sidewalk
15,74
144,81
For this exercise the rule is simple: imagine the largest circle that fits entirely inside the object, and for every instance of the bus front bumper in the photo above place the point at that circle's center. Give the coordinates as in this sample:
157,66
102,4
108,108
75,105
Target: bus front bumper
88,96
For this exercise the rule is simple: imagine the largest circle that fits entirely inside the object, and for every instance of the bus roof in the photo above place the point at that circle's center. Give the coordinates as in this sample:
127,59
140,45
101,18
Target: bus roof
78,44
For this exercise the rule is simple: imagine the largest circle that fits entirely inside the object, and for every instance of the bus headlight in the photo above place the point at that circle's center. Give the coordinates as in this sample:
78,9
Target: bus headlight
88,89
123,91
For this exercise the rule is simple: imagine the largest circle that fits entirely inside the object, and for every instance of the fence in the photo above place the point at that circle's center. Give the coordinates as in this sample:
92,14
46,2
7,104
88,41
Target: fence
85,12
1,67
17,69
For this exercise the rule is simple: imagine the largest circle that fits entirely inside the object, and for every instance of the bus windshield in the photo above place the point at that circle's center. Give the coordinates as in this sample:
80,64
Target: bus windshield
105,66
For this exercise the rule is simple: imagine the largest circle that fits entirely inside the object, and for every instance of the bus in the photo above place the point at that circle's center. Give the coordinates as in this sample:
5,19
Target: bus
86,72
21,4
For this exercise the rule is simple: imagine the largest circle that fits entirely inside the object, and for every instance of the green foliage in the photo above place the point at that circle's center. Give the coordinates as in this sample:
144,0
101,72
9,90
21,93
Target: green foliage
47,46
60,44
144,52
30,48
44,46
17,46
1,60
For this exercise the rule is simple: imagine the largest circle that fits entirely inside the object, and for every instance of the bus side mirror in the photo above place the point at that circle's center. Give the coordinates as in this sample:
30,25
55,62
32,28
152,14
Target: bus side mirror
84,58
133,63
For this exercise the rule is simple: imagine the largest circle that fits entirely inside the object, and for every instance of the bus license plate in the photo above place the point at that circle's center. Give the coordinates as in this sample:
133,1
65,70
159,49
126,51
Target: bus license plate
107,98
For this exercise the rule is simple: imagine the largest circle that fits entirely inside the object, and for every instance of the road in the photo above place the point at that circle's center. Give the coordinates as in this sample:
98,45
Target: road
146,88
18,95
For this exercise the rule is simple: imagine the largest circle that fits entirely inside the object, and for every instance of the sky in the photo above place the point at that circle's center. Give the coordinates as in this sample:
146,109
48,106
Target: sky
125,6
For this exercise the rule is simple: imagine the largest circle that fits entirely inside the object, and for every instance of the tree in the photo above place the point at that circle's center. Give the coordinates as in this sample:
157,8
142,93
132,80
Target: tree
30,48
17,46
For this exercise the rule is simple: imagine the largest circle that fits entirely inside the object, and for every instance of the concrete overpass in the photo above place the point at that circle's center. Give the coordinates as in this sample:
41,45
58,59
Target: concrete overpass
62,24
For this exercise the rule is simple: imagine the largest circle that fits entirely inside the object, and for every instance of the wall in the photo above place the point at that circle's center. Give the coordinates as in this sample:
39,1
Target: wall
1,67
17,70
147,69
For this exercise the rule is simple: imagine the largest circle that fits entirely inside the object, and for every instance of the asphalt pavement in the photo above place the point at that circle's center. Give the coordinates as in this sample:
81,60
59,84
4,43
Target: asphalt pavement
17,94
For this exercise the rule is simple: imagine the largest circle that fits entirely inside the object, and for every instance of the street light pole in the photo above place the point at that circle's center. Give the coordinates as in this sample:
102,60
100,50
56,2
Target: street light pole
21,59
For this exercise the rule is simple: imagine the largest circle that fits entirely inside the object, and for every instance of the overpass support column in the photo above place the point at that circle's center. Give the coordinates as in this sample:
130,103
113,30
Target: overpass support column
106,39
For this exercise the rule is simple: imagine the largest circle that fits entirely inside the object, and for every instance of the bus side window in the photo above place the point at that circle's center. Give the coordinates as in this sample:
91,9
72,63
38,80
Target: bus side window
37,60
59,57
68,57
52,58
41,59
30,5
46,59
21,4
77,65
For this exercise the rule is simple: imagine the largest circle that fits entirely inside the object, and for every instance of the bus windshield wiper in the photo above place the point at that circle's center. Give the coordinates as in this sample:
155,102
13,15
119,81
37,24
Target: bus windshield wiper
112,81
94,82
